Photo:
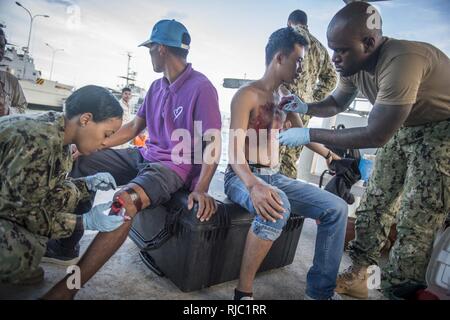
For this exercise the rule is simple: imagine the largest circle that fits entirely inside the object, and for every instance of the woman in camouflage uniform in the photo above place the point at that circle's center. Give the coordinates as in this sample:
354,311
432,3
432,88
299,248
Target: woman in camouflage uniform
37,200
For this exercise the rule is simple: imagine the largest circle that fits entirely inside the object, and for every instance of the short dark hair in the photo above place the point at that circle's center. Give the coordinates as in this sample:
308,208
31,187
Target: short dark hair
298,17
126,89
283,40
93,99
180,52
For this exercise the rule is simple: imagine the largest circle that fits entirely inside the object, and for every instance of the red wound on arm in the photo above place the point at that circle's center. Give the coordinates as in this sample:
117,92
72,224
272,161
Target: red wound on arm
117,205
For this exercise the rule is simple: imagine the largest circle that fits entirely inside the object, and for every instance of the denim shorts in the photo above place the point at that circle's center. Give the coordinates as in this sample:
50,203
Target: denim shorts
237,192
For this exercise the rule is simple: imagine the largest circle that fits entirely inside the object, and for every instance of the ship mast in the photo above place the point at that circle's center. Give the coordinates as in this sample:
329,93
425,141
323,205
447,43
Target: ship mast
130,75
128,66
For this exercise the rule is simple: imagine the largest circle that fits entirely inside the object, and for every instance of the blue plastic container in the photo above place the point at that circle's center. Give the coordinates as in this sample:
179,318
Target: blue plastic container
365,167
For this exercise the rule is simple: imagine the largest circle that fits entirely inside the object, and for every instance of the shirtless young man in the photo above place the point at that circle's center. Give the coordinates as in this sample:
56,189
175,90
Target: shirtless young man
252,179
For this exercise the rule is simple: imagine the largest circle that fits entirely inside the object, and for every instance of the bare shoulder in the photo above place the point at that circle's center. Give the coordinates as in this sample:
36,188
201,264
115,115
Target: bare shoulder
247,97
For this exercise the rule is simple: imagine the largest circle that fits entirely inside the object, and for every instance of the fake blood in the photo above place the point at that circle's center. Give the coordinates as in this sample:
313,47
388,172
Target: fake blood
268,117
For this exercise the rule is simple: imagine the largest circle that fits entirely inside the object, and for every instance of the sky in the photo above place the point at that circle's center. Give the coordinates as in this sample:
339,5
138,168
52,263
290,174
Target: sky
228,37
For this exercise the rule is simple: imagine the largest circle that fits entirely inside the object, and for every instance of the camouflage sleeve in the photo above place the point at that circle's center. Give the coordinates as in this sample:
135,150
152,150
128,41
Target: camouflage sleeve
80,183
327,79
25,177
63,225
24,173
61,204
19,103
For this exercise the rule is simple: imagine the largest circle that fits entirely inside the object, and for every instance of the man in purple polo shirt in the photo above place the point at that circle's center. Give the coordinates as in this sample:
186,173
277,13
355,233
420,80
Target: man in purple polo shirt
181,114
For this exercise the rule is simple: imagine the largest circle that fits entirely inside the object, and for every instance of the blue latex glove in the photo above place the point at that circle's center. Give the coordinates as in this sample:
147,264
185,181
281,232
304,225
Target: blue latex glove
97,220
292,103
101,181
295,137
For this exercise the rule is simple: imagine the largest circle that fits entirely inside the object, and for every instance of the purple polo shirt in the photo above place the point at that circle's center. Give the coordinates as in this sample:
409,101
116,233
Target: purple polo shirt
191,97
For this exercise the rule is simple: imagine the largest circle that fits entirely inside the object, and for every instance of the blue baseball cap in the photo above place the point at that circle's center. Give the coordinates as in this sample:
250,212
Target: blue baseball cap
169,33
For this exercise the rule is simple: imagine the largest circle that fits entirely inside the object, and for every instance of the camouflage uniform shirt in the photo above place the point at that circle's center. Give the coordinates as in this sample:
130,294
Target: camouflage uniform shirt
317,79
11,95
35,192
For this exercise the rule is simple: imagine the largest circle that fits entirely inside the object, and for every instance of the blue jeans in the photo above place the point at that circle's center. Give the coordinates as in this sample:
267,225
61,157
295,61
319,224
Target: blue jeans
311,202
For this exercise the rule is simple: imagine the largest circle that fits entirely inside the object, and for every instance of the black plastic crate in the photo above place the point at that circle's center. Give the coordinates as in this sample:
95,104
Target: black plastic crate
194,254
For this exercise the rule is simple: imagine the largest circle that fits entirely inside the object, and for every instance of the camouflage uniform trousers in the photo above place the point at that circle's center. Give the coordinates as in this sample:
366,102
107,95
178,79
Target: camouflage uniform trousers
290,155
21,250
288,160
414,168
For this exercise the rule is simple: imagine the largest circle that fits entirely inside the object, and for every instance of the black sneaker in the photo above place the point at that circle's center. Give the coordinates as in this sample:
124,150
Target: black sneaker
239,295
60,255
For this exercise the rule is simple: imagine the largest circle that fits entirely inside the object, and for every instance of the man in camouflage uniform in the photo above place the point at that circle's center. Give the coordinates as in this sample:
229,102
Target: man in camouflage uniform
407,83
317,79
414,165
12,99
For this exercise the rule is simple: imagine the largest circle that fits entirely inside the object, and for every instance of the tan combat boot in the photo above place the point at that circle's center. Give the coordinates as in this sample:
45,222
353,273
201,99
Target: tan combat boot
353,282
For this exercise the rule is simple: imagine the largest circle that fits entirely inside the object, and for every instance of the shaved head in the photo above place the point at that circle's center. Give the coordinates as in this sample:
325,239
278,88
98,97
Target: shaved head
357,19
354,34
